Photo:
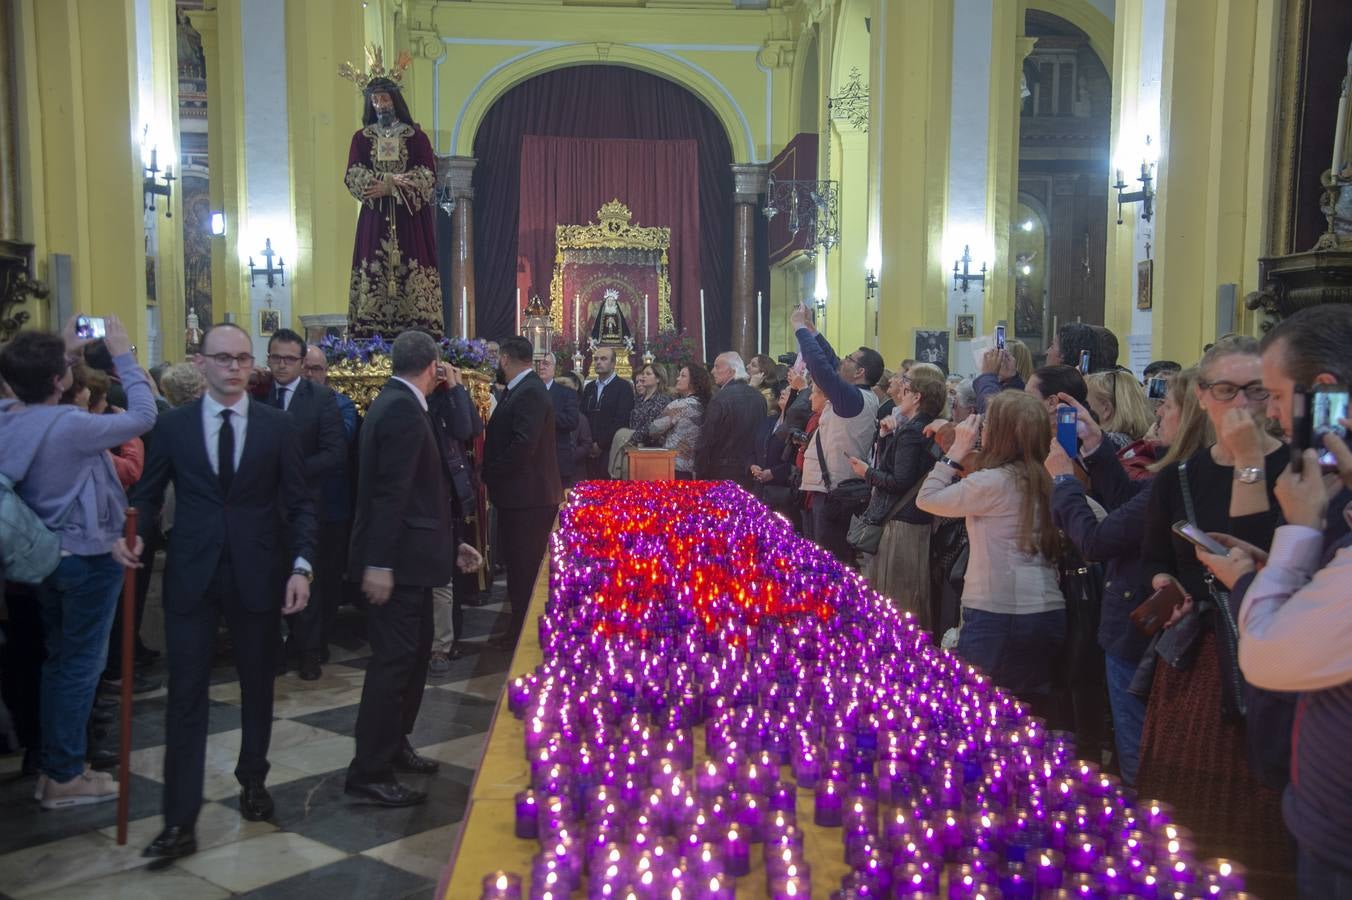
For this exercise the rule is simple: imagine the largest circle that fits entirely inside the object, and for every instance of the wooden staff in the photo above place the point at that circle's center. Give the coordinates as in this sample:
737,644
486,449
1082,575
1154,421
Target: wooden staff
128,676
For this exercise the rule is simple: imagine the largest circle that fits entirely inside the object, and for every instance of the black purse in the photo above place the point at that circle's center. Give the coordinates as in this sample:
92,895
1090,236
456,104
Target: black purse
849,498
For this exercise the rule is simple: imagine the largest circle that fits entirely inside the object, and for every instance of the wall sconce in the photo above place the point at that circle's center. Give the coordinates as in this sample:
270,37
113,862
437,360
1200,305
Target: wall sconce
275,274
871,284
217,223
151,185
965,275
1145,196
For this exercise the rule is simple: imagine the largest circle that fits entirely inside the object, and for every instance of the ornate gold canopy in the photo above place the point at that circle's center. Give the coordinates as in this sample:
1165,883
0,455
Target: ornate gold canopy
615,237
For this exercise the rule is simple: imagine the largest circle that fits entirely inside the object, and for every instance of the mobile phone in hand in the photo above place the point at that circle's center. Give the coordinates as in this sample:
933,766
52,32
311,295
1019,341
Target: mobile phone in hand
1157,388
1067,420
90,328
1152,615
1084,362
1199,538
999,337
1315,413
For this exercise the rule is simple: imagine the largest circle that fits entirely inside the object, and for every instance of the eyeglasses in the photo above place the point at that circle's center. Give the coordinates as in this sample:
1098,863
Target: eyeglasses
1226,391
277,358
315,370
244,360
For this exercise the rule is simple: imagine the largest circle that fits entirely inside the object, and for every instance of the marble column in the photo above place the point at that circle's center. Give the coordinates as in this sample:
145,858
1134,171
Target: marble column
456,173
748,184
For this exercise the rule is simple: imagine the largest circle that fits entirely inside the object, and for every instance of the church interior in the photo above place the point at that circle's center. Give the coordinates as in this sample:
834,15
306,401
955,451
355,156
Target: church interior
671,179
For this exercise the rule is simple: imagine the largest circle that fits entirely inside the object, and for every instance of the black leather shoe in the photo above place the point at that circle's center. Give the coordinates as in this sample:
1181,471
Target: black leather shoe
389,793
101,758
408,760
309,667
173,843
255,803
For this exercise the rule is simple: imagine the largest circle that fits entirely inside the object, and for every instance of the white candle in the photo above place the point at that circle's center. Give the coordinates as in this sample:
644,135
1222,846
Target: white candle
703,331
645,318
760,345
577,310
518,310
1340,130
464,312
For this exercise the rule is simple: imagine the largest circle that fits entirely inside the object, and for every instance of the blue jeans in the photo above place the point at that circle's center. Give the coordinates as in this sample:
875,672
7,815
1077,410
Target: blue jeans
1019,652
78,601
1128,715
1319,880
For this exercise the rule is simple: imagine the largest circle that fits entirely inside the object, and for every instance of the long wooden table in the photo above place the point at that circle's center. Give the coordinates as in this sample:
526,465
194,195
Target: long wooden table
487,841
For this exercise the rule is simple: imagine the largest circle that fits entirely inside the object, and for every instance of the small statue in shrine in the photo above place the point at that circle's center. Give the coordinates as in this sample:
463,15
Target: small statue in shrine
610,327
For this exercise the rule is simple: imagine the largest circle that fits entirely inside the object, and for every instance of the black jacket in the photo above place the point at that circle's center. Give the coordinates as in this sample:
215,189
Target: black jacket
727,437
403,519
267,519
457,420
323,442
566,416
903,460
521,468
612,414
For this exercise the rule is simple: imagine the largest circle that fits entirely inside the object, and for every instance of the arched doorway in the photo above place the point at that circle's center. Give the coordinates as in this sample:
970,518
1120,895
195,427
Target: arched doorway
1063,173
603,102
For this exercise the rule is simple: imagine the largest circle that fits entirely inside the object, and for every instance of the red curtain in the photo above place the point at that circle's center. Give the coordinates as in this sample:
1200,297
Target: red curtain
595,102
564,181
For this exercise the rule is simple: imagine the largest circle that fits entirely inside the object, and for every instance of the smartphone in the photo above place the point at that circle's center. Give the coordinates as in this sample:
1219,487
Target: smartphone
1199,538
1325,406
1084,362
90,328
999,337
1300,428
1157,388
1157,609
1066,436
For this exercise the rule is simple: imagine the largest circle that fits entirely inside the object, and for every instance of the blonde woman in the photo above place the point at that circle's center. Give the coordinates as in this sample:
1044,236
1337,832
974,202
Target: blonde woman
1013,614
1120,403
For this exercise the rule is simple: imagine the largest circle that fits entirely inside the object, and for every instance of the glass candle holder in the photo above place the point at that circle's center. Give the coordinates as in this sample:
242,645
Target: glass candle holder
501,886
527,815
828,804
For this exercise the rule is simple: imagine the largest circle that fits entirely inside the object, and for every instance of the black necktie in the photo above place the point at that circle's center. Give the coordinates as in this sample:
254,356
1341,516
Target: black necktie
281,396
225,452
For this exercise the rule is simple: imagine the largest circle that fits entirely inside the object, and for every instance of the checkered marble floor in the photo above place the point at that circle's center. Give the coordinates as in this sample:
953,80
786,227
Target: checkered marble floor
319,844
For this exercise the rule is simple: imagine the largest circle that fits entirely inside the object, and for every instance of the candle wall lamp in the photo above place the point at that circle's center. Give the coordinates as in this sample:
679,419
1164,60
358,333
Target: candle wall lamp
275,274
964,277
1145,196
152,186
539,327
871,284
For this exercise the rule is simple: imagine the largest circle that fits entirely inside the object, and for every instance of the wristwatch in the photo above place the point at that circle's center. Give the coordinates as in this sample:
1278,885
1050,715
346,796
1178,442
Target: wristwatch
1248,474
1065,479
951,463
307,574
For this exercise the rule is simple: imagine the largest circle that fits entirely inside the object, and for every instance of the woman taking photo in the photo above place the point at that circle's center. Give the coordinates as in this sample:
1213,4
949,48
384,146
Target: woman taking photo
1193,751
774,460
1120,403
1013,614
900,568
680,421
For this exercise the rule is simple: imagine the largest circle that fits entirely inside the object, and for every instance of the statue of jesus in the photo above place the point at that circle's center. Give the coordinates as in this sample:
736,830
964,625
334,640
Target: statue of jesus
391,170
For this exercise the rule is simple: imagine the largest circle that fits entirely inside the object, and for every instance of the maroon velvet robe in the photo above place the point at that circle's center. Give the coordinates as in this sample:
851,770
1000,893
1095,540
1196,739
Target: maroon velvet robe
395,283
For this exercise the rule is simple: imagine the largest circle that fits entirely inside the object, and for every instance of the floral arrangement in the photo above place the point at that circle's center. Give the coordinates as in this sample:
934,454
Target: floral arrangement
673,346
466,354
352,350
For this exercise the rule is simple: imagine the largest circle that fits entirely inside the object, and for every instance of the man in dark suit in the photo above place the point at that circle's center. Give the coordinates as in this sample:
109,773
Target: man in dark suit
241,547
314,410
565,416
403,538
727,439
607,401
522,474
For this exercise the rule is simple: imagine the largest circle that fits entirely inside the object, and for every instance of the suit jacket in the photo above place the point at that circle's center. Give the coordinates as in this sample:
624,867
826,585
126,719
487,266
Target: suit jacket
267,519
521,466
314,409
612,414
727,438
566,416
403,518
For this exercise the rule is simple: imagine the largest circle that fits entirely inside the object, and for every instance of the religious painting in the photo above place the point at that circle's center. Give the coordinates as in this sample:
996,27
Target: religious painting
932,347
150,280
269,320
966,327
1145,284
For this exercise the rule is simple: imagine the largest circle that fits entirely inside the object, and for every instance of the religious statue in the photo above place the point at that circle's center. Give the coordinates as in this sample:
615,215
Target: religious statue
391,170
610,328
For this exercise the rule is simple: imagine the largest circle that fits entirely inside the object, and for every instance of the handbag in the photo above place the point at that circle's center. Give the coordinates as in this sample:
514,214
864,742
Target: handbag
1269,716
850,497
864,534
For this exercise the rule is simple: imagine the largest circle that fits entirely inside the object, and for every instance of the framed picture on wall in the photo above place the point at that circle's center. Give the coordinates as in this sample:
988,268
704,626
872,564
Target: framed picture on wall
932,347
269,320
966,327
1145,284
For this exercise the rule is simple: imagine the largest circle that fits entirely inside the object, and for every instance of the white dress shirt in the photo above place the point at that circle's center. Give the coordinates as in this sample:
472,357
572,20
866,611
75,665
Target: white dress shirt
601,386
422,401
517,380
211,425
288,392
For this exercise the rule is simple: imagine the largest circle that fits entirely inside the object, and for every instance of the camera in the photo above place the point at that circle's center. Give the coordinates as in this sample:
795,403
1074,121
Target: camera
787,359
1317,411
799,437
1157,388
90,327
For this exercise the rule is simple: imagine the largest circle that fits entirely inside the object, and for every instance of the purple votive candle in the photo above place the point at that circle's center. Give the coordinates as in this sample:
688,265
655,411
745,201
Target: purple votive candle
790,888
711,778
1015,884
807,768
716,887
915,877
783,796
1049,865
705,862
828,809
527,815
1083,852
1225,874
750,814
737,852
501,886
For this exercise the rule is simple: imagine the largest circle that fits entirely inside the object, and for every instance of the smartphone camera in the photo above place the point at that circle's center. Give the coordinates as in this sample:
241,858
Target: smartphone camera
1066,436
1084,362
1157,388
999,337
89,328
1327,408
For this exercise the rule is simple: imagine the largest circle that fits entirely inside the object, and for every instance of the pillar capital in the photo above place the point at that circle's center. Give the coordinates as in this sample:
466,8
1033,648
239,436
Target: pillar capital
749,182
457,173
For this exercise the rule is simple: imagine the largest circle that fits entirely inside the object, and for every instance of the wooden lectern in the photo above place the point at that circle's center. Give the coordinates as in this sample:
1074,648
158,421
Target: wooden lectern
651,464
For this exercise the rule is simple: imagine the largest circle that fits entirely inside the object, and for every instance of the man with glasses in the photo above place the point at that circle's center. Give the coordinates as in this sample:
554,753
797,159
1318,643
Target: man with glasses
240,548
315,411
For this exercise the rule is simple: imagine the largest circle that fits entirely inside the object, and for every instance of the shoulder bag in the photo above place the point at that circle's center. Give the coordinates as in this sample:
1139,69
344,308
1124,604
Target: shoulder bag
844,500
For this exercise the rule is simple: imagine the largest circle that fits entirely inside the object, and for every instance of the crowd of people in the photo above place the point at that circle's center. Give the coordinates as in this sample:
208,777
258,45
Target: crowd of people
1030,518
